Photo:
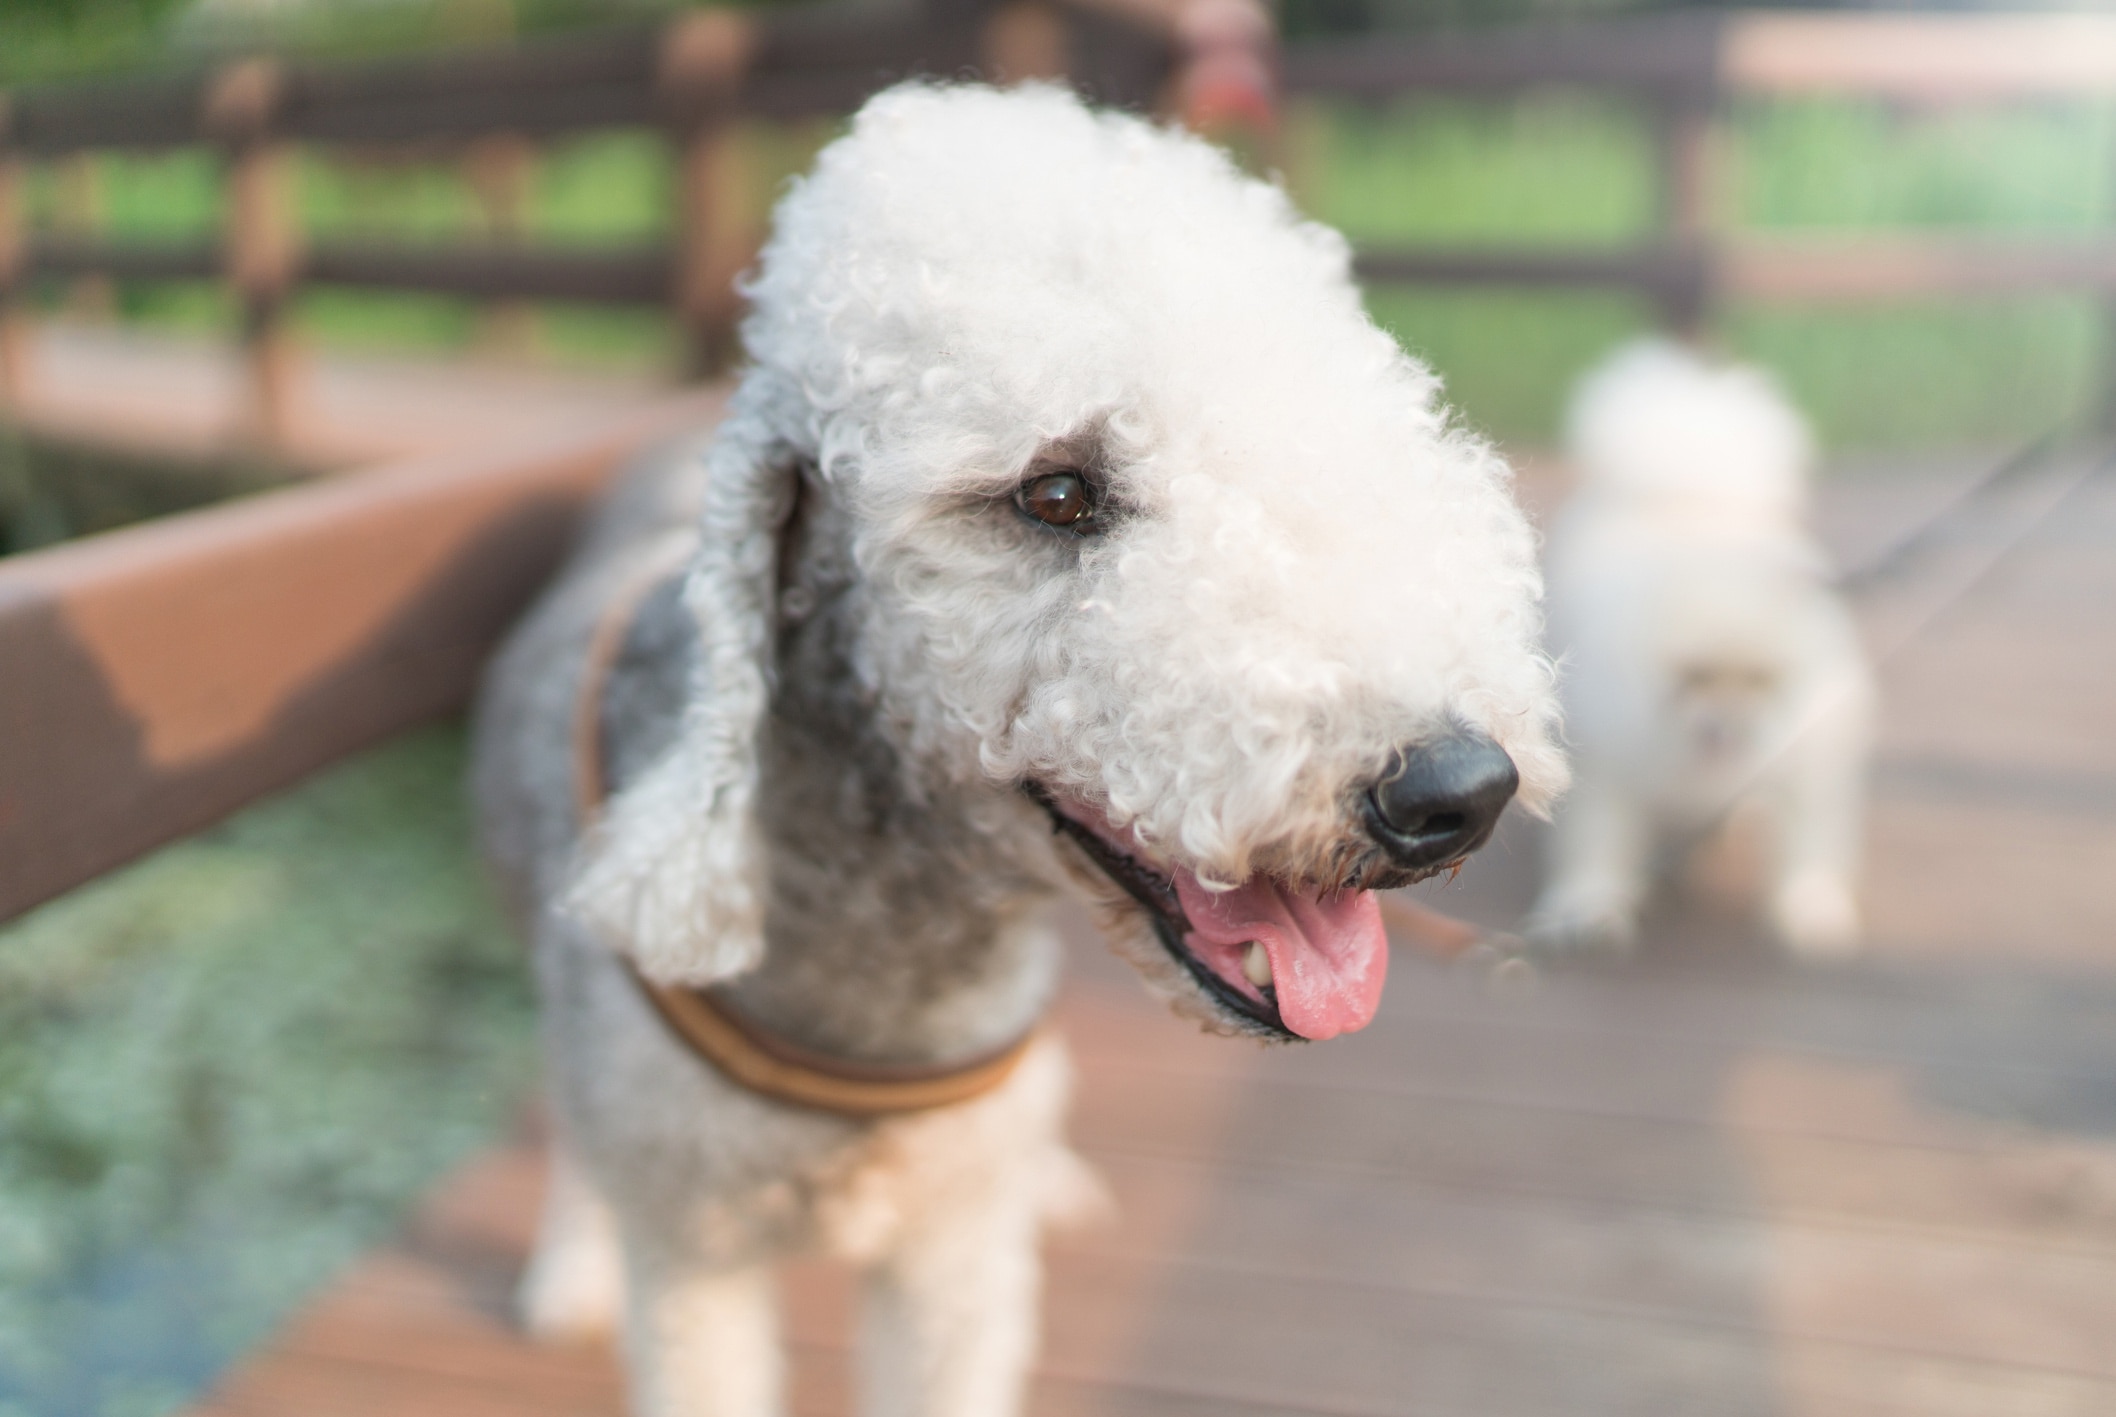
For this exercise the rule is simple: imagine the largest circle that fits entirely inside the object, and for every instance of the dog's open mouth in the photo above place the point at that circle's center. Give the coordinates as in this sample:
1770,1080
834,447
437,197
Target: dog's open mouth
1295,963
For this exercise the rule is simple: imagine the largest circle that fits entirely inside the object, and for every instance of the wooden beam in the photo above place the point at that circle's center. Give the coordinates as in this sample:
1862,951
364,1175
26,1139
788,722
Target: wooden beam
1668,273
14,267
623,276
121,260
1842,270
705,58
1923,57
1828,270
261,236
640,276
156,678
806,61
1668,53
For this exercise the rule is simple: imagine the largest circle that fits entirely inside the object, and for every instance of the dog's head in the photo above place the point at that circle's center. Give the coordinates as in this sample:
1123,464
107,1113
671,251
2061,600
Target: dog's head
1151,524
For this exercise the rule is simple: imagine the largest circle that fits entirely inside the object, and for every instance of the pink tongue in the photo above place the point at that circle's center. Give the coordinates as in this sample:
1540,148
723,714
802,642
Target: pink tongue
1329,955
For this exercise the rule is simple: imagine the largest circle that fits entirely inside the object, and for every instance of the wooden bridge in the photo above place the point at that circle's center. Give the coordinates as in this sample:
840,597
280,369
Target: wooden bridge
1701,1181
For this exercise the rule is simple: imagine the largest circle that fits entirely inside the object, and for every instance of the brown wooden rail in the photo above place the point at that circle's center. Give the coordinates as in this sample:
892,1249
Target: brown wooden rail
152,679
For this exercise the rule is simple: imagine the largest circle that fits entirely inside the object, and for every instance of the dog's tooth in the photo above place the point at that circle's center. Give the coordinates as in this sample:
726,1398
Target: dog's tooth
1256,965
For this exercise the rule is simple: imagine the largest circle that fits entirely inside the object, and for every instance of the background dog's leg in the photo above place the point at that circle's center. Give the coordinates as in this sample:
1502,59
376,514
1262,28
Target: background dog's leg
949,1321
1598,868
701,1342
1817,820
574,1287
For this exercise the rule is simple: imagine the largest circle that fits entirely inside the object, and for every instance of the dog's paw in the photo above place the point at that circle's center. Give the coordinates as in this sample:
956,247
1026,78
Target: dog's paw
1074,1195
1816,917
573,1292
1578,927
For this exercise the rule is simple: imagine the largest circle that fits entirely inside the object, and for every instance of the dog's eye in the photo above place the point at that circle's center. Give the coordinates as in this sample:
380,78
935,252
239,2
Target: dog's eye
1060,499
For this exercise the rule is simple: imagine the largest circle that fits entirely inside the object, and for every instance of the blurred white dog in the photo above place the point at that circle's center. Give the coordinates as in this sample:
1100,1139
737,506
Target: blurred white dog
1710,668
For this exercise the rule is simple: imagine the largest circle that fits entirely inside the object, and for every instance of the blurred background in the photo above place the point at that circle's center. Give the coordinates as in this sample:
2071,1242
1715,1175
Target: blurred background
260,244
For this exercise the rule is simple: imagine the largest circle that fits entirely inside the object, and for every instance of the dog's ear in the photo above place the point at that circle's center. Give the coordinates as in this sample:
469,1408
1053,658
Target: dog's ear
674,873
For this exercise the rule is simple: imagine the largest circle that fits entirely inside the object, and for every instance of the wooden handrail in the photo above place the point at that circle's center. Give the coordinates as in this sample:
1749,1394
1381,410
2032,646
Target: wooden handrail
1785,270
1670,54
802,61
155,678
1895,54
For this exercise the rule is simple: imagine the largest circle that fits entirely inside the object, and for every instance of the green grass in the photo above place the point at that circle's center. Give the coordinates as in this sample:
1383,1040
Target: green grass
1508,358
1983,373
2043,168
225,1069
1568,169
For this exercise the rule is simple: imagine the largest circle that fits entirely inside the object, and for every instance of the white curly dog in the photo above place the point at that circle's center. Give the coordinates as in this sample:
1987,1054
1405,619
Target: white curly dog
1073,525
1709,664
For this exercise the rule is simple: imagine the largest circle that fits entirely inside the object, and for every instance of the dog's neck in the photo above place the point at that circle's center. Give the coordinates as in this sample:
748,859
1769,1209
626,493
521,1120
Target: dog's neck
904,923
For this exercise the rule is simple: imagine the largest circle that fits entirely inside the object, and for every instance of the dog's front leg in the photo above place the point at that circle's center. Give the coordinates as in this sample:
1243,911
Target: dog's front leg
1818,817
1597,875
574,1288
701,1340
949,1321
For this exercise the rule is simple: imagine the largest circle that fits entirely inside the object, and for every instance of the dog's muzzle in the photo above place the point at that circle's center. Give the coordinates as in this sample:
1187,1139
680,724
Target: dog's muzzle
1439,801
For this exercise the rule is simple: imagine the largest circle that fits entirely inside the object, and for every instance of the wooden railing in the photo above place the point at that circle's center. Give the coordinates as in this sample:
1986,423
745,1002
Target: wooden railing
691,80
1685,68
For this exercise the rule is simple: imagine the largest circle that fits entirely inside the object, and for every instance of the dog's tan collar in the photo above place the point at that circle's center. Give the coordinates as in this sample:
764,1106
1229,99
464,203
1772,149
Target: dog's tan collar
705,1019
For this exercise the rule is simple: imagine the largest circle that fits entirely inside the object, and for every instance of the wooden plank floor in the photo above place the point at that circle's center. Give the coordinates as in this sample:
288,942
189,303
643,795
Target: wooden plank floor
1703,1182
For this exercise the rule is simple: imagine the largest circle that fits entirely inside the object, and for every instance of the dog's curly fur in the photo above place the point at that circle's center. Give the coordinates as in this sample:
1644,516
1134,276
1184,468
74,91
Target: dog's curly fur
820,734
1709,666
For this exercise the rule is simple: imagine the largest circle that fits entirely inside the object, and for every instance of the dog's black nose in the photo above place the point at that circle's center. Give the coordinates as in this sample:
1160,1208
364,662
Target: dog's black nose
1439,801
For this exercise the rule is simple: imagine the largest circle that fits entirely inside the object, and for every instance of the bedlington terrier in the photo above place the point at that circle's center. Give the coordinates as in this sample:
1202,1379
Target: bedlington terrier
1709,666
1073,528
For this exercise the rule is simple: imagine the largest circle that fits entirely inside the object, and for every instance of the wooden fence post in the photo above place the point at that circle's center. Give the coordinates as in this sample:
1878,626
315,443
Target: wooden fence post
500,170
78,216
703,58
14,271
261,243
1693,205
1023,41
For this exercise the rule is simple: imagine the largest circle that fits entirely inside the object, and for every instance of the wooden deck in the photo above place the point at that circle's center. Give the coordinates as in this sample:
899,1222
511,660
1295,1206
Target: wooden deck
1703,1182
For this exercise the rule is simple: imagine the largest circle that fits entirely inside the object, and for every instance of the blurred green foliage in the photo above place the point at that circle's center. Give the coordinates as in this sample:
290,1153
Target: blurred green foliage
1578,169
42,40
2040,167
53,491
225,1070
